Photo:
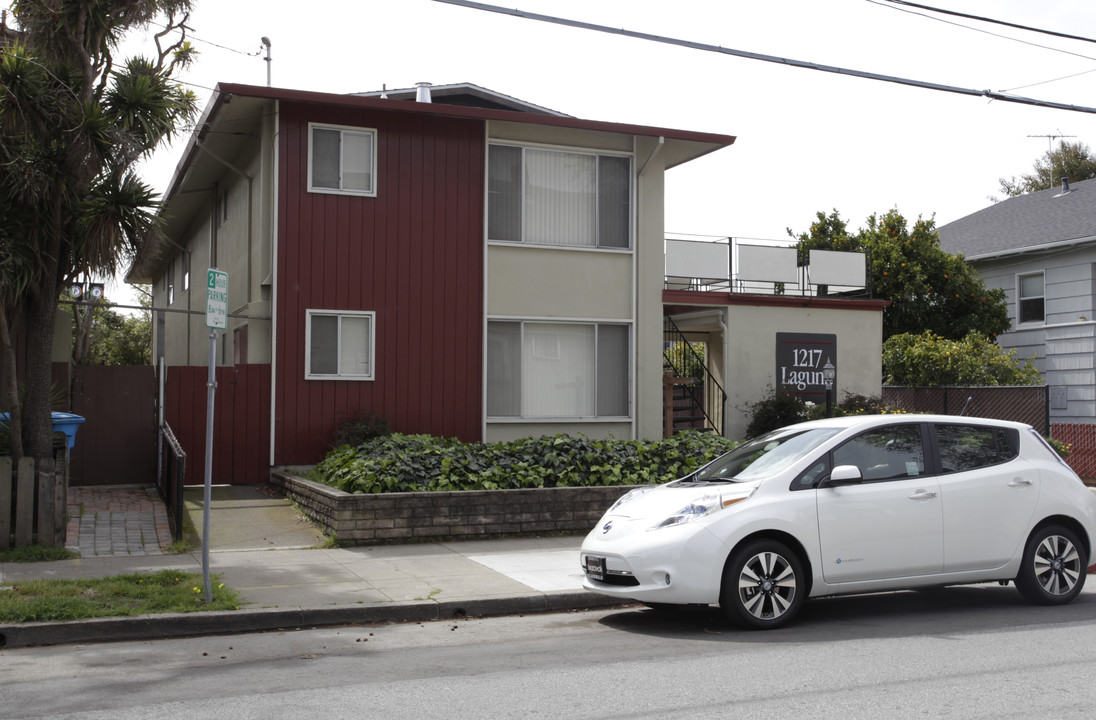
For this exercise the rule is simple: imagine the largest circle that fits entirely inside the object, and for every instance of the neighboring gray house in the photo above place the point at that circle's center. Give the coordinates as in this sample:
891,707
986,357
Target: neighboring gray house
1040,248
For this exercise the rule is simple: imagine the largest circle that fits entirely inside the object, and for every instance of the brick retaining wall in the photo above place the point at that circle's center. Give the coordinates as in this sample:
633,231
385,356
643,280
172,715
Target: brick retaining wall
466,515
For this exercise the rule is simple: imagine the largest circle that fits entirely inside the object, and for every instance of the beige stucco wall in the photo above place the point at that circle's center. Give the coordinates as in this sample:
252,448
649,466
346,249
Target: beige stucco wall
751,351
650,275
539,282
242,247
530,282
507,431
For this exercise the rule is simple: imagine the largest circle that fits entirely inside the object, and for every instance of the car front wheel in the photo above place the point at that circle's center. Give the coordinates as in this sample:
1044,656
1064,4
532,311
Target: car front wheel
763,585
1053,569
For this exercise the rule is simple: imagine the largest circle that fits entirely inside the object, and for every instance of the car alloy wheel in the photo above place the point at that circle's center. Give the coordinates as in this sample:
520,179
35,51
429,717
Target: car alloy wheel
762,585
1053,570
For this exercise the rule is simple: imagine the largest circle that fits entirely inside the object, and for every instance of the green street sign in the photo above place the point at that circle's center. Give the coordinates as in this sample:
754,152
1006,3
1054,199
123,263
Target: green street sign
216,299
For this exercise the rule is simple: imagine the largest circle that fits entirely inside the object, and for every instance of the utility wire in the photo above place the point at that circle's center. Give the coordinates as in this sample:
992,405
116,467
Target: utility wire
993,95
991,20
883,3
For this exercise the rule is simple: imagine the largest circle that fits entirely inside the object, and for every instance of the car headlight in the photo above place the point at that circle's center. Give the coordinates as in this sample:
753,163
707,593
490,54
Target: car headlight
702,506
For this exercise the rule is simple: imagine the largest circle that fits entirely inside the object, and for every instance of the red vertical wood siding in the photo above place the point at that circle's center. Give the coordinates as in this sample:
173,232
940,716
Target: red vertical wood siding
413,254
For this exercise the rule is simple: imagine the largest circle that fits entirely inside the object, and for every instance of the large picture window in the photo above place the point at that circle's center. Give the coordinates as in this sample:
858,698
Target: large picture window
557,370
339,345
1032,302
551,197
342,160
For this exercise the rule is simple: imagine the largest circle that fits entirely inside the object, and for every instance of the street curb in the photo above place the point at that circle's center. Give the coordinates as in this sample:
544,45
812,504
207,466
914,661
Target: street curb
198,624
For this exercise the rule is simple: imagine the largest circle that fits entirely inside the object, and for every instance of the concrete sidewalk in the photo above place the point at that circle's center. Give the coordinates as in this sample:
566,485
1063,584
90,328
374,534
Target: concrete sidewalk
270,556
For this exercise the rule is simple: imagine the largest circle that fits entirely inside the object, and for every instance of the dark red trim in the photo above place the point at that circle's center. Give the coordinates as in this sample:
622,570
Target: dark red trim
374,103
673,298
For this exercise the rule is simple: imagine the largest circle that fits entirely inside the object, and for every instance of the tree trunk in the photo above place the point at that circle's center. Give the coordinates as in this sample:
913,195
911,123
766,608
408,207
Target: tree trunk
9,394
38,379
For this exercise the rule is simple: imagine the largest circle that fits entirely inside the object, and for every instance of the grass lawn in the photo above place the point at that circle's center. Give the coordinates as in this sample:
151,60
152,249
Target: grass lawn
167,591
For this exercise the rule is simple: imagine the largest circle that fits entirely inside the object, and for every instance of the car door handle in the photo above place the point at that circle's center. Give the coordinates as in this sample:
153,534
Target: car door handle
923,495
1017,482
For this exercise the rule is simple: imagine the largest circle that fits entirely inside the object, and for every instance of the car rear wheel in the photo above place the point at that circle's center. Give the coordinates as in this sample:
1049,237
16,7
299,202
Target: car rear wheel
763,585
1053,569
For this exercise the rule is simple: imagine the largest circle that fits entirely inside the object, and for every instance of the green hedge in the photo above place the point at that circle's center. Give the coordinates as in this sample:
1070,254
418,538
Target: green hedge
413,463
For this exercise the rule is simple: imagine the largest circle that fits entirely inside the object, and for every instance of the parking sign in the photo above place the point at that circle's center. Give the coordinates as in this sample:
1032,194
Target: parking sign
216,299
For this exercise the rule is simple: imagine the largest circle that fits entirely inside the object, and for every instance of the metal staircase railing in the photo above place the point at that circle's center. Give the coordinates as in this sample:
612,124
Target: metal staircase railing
704,402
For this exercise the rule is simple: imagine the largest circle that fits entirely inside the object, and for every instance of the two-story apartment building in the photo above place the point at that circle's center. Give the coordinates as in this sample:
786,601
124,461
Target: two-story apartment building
459,263
471,266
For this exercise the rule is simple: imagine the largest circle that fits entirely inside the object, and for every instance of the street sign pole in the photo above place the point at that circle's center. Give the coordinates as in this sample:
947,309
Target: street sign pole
216,317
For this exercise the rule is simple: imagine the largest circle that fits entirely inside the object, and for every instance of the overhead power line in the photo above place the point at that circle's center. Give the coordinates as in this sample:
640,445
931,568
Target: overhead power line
770,58
890,5
992,20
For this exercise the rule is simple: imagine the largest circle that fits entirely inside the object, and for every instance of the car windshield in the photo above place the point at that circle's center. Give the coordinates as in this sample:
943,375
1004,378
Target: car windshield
764,456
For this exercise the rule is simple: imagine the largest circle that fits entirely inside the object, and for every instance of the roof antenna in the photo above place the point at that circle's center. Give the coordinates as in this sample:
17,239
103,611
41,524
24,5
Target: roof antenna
1050,157
266,44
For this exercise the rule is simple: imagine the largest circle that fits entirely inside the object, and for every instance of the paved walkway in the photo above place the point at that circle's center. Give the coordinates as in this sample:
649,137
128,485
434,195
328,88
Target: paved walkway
117,520
273,557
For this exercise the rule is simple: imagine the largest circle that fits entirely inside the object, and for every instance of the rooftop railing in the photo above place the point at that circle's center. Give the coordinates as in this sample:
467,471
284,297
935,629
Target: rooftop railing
760,267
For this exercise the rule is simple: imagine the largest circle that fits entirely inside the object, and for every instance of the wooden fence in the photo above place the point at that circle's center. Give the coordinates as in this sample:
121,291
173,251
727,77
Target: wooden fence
241,424
32,502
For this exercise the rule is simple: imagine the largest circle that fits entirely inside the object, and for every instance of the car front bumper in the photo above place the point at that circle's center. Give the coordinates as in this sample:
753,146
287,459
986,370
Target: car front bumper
675,565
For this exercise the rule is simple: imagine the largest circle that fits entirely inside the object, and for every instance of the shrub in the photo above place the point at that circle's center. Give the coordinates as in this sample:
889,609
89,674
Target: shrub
781,409
409,463
357,430
775,411
1062,448
930,360
854,404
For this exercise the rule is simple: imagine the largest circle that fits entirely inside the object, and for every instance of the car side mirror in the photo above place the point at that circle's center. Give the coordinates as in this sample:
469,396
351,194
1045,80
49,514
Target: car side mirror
843,475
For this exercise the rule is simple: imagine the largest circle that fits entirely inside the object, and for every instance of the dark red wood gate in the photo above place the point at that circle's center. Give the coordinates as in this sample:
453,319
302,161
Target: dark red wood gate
241,422
116,443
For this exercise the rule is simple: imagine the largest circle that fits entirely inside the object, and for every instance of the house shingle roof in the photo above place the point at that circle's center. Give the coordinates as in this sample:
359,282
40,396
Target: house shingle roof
1025,222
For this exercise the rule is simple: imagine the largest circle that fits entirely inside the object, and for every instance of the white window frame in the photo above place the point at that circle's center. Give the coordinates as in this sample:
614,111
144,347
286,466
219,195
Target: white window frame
1020,298
340,314
543,352
591,152
343,130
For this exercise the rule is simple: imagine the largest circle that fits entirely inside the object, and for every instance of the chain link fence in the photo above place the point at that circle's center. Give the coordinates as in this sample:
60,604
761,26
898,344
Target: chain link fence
1027,403
1081,439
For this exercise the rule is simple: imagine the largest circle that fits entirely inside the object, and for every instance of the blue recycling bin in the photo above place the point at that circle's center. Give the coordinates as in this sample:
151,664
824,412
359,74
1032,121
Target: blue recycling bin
63,422
68,424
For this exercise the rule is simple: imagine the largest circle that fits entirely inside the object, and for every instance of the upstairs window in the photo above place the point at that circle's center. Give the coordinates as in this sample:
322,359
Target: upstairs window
342,160
1032,299
552,197
340,345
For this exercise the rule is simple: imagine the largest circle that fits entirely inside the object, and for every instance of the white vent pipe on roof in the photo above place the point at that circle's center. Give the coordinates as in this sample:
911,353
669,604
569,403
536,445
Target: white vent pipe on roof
422,92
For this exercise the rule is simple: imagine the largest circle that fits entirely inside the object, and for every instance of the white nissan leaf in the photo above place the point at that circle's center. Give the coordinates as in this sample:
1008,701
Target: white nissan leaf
851,505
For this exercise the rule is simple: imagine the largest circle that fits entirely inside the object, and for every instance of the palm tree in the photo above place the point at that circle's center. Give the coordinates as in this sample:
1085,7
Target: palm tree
72,127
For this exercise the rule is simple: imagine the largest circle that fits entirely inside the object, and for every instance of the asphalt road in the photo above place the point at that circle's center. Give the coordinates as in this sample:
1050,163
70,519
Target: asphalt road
972,652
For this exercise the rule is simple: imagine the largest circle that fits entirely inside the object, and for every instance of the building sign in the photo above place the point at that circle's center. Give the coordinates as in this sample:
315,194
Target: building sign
801,359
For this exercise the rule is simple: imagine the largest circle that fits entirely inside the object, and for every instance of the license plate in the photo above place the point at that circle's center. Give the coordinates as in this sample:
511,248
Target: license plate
595,567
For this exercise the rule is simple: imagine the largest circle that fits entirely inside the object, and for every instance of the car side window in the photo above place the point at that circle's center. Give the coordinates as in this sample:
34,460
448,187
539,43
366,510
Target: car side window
888,453
809,478
969,447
